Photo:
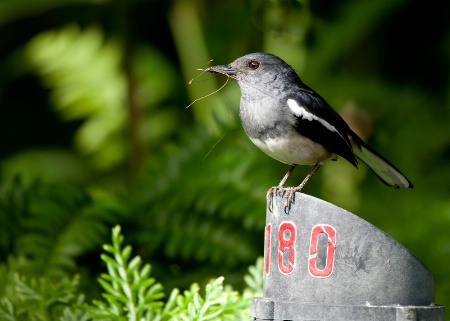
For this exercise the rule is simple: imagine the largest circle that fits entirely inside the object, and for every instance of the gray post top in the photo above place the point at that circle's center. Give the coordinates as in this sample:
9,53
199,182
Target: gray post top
323,263
323,254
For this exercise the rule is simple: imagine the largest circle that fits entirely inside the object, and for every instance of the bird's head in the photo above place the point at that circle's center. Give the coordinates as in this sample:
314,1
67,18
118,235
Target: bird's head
261,71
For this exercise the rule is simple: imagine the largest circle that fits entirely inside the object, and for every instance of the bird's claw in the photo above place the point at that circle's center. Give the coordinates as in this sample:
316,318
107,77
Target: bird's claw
290,198
289,192
278,191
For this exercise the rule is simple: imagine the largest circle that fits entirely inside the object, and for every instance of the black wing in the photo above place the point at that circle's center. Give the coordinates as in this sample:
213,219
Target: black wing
318,121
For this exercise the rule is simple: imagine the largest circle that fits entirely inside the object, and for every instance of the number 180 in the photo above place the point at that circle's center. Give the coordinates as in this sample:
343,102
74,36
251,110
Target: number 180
286,249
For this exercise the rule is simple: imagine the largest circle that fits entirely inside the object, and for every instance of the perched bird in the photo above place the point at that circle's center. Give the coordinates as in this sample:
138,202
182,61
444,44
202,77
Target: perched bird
293,124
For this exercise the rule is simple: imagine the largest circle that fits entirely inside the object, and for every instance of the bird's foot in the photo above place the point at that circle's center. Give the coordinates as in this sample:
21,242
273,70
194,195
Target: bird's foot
278,191
290,197
287,192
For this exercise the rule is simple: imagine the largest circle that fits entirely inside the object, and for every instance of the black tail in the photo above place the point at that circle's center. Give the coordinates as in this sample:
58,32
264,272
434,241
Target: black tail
385,171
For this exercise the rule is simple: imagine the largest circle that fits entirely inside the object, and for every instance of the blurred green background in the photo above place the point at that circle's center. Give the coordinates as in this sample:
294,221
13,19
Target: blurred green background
94,130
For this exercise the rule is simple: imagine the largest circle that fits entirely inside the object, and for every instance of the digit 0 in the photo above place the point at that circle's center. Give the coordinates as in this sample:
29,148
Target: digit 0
286,240
331,247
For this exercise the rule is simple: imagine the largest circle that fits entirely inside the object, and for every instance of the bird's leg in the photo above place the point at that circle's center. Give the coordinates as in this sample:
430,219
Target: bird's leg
291,192
278,189
285,178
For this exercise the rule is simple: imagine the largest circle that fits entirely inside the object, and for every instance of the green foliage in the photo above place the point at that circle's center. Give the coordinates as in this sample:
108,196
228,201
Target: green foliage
95,94
254,278
131,294
98,95
218,232
219,303
46,164
129,291
187,186
11,10
51,225
39,299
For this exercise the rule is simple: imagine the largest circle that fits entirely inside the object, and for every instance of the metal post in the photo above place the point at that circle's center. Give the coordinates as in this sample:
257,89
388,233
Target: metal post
323,263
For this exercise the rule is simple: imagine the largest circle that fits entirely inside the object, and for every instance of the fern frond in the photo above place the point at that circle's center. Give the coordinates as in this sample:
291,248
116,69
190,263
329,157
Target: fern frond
52,224
39,299
219,303
13,209
254,279
210,212
130,292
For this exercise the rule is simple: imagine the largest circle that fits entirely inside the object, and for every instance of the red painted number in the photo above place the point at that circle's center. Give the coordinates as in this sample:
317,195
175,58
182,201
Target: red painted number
286,249
286,239
331,247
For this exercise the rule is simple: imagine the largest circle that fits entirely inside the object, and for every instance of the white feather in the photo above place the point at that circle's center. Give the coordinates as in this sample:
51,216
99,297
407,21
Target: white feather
384,170
293,148
301,112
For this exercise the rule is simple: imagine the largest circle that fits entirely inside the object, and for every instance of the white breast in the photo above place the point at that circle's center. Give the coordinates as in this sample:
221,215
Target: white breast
293,148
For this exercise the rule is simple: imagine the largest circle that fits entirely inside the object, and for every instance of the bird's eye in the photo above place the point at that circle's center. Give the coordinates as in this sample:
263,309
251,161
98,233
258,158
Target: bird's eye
253,65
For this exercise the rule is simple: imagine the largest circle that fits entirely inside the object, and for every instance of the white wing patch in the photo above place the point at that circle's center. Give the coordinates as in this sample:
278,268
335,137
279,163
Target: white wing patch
301,112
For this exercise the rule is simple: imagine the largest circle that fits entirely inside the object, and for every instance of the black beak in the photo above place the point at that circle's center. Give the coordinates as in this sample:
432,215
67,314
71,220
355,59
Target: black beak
222,69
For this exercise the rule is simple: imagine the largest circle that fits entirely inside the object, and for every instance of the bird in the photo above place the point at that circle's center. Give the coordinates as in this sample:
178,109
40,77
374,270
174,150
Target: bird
293,124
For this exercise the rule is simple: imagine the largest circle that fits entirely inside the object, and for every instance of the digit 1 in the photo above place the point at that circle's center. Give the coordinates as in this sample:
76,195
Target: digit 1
286,243
267,252
331,247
